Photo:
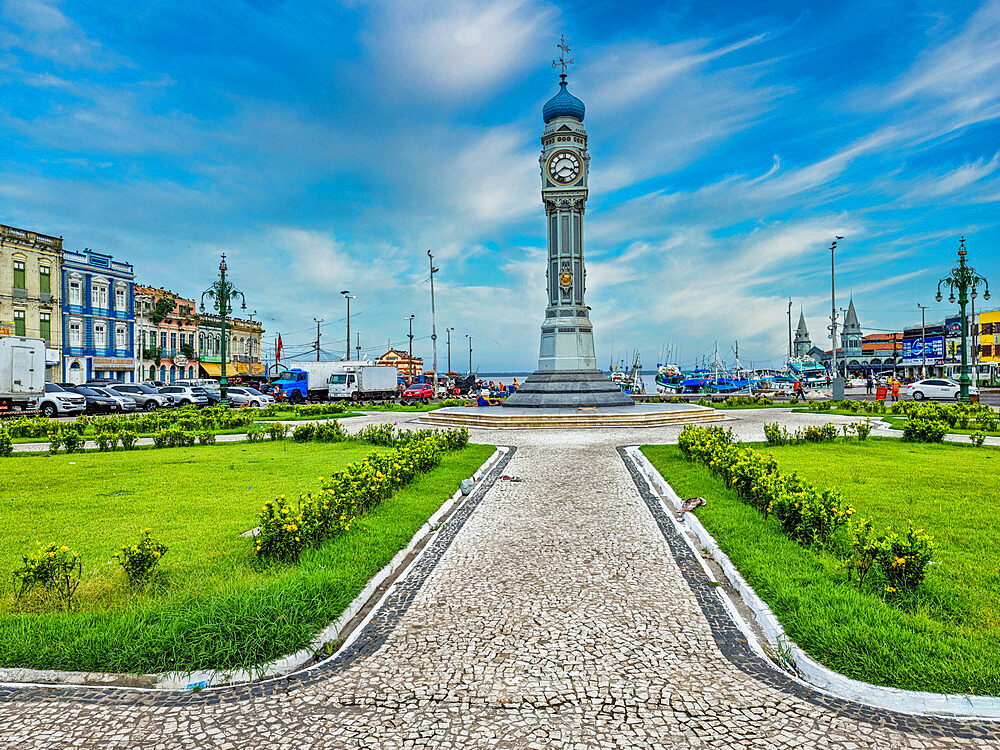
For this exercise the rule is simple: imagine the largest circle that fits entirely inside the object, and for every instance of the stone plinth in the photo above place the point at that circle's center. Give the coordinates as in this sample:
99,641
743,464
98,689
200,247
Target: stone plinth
548,389
635,415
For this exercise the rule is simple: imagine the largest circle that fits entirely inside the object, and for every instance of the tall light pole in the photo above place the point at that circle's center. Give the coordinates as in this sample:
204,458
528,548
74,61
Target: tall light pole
223,293
789,327
469,337
410,369
434,336
837,385
448,331
358,334
317,321
964,278
348,296
923,340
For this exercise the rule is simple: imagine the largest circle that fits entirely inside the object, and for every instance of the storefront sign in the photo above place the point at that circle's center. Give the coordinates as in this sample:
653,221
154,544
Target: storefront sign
913,352
52,357
6,328
112,363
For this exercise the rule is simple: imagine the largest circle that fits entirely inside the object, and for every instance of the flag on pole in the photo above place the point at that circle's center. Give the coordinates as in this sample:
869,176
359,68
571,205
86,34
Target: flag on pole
277,352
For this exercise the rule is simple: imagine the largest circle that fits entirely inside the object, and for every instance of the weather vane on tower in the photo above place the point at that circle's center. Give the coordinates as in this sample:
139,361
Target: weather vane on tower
562,62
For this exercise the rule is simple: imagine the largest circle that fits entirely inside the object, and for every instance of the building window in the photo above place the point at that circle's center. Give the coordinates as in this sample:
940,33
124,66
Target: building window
45,279
74,292
19,275
173,342
75,333
120,299
100,336
201,343
45,327
20,329
163,340
99,295
121,337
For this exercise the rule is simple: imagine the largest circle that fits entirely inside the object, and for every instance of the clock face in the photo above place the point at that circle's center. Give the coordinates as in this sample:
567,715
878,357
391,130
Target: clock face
564,167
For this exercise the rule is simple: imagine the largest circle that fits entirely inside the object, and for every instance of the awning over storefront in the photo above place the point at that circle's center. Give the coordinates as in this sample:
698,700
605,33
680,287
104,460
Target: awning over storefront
214,369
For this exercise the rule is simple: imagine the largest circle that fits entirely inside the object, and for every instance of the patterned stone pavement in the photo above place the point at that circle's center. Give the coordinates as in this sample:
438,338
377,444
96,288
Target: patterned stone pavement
558,611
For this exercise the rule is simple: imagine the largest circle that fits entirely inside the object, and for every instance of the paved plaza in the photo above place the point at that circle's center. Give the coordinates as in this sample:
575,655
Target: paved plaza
558,611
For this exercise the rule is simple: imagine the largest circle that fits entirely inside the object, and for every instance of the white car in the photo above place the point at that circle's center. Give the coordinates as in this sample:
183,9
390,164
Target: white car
240,395
58,401
941,388
184,395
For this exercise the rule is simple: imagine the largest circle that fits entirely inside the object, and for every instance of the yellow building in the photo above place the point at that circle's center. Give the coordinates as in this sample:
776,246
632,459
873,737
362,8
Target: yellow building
989,336
30,284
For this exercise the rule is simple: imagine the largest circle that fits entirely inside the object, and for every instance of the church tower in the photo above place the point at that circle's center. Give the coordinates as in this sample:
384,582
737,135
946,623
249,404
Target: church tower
850,335
567,372
802,342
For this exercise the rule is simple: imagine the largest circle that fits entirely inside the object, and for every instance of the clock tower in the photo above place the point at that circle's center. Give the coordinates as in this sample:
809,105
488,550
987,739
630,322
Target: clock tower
567,372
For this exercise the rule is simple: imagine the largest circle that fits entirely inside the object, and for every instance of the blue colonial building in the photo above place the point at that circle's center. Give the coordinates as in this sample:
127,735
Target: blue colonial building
98,317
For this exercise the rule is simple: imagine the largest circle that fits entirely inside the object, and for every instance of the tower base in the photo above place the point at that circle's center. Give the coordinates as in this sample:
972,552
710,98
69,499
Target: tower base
567,388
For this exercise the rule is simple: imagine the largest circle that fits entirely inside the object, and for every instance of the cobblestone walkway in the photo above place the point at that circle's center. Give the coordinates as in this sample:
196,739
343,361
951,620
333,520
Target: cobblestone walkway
555,613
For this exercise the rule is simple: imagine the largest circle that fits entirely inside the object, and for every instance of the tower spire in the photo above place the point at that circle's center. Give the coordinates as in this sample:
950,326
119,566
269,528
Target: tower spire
562,62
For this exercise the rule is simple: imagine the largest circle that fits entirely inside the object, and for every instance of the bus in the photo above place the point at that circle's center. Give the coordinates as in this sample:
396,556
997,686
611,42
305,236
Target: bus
984,374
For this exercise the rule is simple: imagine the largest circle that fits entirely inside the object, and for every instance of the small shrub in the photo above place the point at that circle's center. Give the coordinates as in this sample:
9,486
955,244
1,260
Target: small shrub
303,433
277,430
329,432
776,434
977,439
904,555
793,400
103,440
865,549
6,444
71,440
255,434
139,560
863,429
160,438
206,437
55,441
57,569
128,439
819,433
924,430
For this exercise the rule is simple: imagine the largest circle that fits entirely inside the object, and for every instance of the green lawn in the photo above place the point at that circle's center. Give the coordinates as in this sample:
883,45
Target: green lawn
895,420
213,605
943,638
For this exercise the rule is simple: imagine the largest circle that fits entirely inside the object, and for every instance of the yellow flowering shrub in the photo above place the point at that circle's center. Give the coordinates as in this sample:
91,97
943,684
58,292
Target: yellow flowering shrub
56,569
139,560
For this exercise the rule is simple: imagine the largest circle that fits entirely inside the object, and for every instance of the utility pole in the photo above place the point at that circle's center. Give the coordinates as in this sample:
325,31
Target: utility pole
448,331
923,340
434,336
348,296
410,369
469,337
837,385
789,327
318,321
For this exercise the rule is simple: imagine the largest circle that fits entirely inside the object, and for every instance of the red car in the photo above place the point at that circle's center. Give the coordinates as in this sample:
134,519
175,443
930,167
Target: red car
418,392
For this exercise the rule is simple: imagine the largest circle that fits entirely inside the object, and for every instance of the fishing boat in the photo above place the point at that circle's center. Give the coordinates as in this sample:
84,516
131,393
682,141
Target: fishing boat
630,379
808,370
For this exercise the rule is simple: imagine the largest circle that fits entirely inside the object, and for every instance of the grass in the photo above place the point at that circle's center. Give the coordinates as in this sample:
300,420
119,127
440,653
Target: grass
942,638
212,606
895,420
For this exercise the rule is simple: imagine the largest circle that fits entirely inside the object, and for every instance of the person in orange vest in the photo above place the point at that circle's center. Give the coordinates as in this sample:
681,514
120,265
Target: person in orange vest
895,389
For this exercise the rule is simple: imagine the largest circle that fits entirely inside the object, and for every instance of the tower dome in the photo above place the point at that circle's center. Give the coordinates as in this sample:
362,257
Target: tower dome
563,104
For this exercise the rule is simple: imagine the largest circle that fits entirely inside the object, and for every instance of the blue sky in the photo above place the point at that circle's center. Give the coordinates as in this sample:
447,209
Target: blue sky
327,146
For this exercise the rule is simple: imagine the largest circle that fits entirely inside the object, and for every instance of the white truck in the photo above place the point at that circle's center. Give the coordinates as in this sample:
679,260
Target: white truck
22,372
360,382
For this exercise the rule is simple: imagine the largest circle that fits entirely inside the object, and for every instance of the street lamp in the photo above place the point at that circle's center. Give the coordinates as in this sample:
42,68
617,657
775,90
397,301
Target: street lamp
964,278
836,385
434,336
469,337
348,296
410,369
448,331
222,293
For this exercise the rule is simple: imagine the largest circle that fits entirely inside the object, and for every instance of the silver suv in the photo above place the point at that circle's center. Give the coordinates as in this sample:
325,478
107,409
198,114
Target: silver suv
242,395
145,397
184,395
58,401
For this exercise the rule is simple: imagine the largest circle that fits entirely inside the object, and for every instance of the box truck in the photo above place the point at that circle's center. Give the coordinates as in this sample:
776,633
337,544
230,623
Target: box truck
22,372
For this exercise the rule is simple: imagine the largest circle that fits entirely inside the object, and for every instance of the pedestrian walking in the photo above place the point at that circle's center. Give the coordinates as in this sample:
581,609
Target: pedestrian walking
895,389
869,384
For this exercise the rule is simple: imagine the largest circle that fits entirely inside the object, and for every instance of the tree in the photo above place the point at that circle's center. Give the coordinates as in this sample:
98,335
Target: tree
163,307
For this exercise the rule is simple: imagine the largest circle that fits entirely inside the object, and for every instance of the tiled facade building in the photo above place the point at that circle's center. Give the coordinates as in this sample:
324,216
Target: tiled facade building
167,335
30,269
98,318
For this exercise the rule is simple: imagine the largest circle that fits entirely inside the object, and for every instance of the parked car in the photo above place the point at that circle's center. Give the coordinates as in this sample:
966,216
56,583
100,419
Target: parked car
418,392
154,383
214,395
58,401
122,401
938,388
146,397
184,395
97,402
244,396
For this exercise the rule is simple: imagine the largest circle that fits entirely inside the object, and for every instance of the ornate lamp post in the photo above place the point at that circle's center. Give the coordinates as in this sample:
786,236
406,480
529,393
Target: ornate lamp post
965,279
222,293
